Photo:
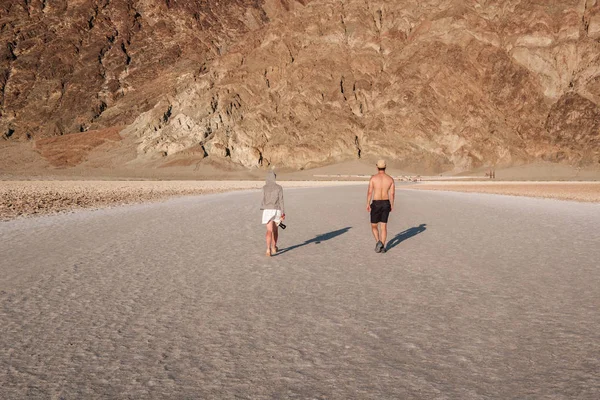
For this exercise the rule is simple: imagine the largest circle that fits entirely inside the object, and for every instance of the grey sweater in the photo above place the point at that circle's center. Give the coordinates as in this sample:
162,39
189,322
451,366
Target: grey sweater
272,195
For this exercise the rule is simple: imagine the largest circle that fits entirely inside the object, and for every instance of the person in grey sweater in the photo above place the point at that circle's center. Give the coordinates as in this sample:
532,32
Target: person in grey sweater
273,211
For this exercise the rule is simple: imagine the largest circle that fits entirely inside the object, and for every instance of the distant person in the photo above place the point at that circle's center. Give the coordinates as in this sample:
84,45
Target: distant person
381,192
273,211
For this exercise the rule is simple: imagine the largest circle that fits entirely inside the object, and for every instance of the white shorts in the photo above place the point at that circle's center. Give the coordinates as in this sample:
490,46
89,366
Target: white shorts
271,215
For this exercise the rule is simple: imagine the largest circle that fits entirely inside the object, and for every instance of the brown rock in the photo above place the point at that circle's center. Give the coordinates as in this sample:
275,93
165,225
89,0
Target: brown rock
70,150
68,66
432,84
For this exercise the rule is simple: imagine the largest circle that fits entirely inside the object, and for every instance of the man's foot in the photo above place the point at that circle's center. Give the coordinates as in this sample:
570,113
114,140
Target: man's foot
378,247
268,253
274,250
383,250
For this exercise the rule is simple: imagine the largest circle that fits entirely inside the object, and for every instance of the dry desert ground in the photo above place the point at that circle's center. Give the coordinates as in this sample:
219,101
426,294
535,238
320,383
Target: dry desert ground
28,198
479,296
42,190
576,191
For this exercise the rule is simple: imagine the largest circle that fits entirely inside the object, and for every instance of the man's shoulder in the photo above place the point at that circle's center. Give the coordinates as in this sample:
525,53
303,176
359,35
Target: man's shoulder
381,177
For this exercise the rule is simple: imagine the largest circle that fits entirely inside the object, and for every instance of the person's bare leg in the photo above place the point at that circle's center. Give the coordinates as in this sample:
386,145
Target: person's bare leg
375,230
274,238
269,236
383,233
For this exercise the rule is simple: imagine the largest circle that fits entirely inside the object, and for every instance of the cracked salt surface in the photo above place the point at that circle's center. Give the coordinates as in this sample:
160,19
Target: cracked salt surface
482,296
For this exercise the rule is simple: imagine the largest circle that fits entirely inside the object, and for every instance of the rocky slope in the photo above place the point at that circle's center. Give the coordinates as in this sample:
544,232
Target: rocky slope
432,84
70,66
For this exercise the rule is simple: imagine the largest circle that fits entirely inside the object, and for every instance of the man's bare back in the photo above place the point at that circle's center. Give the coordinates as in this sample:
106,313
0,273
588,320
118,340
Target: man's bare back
381,185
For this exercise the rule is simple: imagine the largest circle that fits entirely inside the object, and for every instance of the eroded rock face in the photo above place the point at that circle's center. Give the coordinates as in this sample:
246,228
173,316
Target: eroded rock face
70,66
433,84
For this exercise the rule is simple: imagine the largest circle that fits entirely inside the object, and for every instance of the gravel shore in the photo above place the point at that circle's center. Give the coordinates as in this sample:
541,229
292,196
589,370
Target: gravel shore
27,198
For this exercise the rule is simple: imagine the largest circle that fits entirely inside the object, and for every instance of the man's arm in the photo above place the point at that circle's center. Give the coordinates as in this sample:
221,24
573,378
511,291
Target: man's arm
392,193
369,195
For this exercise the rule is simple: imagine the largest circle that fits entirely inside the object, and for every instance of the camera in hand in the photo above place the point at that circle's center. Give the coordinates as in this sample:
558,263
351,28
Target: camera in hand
282,225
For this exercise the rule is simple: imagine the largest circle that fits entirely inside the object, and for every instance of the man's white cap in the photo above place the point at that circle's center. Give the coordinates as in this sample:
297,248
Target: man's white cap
381,164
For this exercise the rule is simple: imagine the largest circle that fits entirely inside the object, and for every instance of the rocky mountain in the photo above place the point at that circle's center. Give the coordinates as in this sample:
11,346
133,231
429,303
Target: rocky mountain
432,84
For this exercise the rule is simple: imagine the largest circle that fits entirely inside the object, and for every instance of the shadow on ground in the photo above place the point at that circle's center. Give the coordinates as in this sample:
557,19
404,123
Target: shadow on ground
317,239
407,234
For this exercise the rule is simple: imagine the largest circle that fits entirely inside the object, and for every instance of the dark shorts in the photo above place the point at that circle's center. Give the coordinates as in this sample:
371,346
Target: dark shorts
380,211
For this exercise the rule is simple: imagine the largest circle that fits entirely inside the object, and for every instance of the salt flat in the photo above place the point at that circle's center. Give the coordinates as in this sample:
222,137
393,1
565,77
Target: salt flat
479,296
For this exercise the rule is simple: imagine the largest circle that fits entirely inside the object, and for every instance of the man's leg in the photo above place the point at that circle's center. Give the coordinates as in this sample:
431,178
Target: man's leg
384,219
378,245
383,233
375,230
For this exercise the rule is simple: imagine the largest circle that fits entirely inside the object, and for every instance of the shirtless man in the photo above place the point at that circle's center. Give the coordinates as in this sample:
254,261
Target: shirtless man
382,191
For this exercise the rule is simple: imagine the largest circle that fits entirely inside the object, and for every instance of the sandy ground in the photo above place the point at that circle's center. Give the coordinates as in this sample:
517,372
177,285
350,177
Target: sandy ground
577,191
27,198
479,297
